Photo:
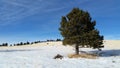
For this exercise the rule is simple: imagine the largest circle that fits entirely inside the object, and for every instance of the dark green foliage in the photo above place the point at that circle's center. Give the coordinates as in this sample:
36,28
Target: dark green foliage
79,29
10,44
50,40
36,42
27,42
4,44
21,43
58,40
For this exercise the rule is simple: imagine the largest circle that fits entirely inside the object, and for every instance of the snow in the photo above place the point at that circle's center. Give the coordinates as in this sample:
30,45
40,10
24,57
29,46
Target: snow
41,56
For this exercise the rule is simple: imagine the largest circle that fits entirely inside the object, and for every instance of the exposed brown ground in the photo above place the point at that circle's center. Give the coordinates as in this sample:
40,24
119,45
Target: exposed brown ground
83,55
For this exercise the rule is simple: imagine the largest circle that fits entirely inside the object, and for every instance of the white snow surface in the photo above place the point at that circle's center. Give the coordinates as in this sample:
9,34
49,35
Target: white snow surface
41,56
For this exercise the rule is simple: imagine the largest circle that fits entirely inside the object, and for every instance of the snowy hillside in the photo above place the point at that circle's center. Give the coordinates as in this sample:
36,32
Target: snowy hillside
41,56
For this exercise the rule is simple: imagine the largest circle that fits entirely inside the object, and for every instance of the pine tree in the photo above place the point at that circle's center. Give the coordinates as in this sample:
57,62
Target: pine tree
77,28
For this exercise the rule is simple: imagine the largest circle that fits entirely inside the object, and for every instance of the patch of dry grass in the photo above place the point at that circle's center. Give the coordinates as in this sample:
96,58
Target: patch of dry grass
83,55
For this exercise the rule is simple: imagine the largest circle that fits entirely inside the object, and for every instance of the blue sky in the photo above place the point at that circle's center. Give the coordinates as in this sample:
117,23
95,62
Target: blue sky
30,20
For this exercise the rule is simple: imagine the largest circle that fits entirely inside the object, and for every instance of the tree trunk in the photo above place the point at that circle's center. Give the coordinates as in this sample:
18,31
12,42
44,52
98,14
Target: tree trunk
77,49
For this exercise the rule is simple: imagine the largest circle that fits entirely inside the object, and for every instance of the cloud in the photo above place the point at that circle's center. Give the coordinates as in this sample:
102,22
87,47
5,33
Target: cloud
12,10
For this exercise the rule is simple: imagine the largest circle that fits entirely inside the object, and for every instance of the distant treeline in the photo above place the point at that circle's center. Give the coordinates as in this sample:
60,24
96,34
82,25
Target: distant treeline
29,43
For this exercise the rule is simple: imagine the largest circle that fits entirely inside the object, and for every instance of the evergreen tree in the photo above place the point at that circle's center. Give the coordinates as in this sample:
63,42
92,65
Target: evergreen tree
27,42
5,44
78,28
21,43
58,39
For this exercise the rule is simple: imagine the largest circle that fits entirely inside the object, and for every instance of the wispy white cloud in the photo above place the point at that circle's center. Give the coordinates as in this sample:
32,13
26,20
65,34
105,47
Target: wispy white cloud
12,10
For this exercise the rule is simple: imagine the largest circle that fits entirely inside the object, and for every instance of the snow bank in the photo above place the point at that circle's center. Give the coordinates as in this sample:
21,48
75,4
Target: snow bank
41,56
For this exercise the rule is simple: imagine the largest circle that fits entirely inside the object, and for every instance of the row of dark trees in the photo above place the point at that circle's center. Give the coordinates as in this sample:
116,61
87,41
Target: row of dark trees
21,43
4,44
28,43
54,40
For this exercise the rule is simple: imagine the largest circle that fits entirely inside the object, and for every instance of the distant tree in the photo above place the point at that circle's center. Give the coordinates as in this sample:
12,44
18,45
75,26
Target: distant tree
21,43
51,40
39,41
48,40
10,44
5,44
24,43
18,44
1,44
35,42
14,44
27,42
78,28
58,39
32,42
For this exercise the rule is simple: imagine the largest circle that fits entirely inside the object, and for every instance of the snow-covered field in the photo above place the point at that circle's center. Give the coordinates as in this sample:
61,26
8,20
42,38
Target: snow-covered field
41,56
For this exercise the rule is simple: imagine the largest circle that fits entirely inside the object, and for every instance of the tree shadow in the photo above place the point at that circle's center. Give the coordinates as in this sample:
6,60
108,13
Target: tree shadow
107,53
19,50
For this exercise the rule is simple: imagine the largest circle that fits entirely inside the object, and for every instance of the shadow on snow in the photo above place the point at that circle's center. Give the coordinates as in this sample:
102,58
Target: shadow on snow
107,53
